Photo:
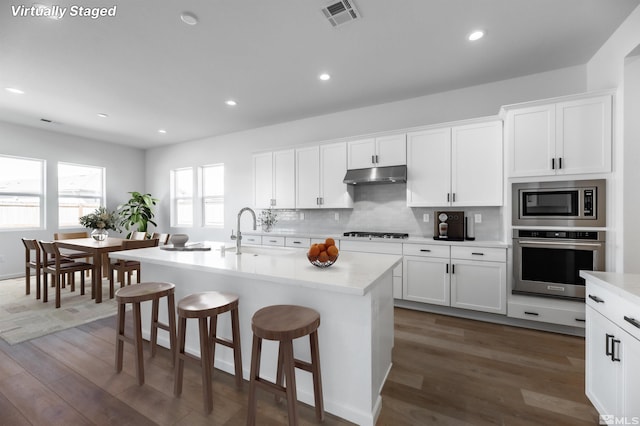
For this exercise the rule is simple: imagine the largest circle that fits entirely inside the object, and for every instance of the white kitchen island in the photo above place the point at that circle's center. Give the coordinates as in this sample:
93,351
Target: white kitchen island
354,298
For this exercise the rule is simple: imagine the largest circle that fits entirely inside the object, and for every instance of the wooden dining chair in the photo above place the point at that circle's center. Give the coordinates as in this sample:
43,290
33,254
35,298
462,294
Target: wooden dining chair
138,235
72,254
54,264
31,247
162,238
127,267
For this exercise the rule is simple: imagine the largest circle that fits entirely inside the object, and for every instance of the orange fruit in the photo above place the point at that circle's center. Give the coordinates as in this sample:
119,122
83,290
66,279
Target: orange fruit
314,251
332,251
322,247
329,242
323,256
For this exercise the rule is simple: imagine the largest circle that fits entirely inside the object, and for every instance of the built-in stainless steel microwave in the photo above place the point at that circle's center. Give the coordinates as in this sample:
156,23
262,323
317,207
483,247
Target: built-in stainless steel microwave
579,203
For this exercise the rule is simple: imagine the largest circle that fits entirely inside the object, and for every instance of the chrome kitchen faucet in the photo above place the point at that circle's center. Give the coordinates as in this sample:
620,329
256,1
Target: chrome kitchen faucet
238,237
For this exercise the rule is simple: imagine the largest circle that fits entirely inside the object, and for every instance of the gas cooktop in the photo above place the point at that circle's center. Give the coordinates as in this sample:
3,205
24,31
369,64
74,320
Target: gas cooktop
367,234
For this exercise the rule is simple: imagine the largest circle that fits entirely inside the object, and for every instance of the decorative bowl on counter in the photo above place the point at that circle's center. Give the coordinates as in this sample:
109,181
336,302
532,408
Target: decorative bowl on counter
315,261
179,240
324,254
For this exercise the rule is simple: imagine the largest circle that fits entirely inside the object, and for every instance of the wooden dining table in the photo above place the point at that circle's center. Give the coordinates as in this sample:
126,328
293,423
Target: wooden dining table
99,250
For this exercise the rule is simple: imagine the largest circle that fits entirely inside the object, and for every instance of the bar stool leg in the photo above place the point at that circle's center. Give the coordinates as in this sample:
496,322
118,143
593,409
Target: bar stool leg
119,337
205,361
290,374
171,313
256,351
280,371
179,368
137,329
317,379
213,335
237,354
153,338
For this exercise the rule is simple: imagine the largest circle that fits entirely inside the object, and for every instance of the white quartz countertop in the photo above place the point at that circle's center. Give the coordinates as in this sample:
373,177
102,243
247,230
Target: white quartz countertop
624,285
411,240
353,273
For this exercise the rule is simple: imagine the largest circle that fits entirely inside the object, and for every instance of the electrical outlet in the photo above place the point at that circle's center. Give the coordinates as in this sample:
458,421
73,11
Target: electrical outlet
301,216
336,216
425,217
477,218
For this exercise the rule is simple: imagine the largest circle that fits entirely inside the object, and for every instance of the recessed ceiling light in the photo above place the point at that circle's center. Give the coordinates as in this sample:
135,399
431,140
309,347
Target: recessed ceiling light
476,35
189,18
324,77
231,102
14,90
102,115
163,131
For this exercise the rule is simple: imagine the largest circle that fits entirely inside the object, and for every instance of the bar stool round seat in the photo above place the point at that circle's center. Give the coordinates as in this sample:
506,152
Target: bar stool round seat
205,307
284,323
136,294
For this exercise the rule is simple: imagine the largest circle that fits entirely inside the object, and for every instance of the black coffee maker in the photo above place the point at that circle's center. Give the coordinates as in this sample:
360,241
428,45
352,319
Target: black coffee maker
448,225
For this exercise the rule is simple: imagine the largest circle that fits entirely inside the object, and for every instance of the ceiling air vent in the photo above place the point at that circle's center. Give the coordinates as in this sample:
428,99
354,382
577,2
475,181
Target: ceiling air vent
341,12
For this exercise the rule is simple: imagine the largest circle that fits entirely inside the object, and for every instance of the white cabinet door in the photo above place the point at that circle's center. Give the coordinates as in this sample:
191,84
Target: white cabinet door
531,138
480,286
284,178
429,168
391,150
476,165
602,374
583,136
361,153
426,279
262,180
307,177
333,166
630,373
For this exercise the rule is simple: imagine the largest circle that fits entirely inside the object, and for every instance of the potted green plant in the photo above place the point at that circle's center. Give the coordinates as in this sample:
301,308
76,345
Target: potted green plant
138,212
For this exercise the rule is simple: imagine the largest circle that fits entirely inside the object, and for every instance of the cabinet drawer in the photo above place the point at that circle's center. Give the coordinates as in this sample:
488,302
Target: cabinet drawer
574,318
272,241
371,247
252,239
614,307
297,242
427,250
479,253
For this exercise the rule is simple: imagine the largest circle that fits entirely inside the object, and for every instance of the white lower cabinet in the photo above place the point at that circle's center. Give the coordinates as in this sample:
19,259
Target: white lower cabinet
462,277
612,355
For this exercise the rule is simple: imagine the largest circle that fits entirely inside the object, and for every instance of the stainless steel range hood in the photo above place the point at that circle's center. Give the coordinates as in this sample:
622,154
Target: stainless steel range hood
391,174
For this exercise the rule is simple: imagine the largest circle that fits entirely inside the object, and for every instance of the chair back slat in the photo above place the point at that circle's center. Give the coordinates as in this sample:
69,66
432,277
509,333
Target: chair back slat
164,238
138,235
70,235
136,244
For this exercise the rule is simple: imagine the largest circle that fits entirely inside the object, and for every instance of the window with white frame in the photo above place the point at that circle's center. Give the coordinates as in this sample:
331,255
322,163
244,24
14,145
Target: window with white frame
182,197
80,192
21,192
213,195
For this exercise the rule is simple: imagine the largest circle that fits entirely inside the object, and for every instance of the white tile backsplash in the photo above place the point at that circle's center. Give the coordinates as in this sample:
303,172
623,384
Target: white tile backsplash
383,208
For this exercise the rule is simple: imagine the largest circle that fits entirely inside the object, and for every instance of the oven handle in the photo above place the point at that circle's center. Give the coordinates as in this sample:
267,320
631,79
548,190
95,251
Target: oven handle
557,243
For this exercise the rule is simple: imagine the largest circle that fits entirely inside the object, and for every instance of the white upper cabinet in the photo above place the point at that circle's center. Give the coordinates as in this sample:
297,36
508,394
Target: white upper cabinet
476,164
377,152
455,166
274,179
560,138
319,178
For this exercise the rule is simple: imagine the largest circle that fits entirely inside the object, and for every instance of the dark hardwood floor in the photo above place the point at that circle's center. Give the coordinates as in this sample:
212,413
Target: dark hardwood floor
447,371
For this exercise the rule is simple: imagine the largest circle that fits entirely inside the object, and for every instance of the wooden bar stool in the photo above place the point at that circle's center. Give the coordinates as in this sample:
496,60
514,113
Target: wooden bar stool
135,294
207,306
285,323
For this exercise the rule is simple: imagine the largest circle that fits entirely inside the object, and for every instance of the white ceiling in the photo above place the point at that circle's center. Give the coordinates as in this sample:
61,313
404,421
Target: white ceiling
148,70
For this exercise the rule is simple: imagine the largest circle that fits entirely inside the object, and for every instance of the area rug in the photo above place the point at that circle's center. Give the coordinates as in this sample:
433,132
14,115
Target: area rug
23,317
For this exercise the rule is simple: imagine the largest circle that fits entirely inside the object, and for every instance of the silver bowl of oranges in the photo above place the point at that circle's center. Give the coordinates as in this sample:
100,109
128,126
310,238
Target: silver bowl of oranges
324,254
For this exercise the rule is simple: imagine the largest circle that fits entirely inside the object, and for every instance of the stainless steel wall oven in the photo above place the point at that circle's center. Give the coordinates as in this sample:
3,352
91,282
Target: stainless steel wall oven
547,262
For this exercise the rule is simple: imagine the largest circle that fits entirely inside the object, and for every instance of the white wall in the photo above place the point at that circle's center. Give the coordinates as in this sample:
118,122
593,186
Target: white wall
606,69
125,172
234,150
